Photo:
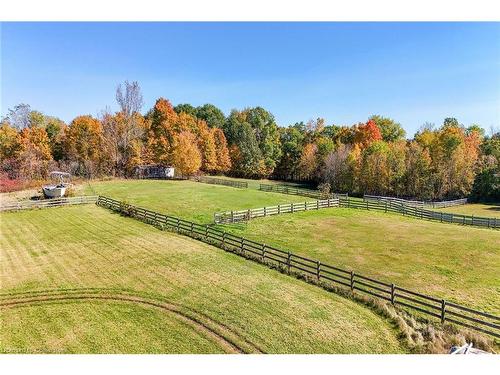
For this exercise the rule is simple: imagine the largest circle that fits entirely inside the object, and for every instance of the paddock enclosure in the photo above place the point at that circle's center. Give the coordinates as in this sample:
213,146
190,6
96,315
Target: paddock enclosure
77,257
82,279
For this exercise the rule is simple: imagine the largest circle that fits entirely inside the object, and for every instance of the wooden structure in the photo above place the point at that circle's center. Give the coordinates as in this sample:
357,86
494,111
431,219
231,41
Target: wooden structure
220,181
154,171
244,215
45,203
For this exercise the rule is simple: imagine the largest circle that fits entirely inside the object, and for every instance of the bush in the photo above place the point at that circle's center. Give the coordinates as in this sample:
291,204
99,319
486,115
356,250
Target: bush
324,189
70,192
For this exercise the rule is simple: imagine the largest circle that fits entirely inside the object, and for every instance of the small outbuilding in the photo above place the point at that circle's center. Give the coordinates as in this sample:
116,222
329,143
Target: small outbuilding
154,171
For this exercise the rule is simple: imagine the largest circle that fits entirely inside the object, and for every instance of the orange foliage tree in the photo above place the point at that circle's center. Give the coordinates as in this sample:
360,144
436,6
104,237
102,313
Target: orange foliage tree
367,133
186,157
84,145
35,153
222,156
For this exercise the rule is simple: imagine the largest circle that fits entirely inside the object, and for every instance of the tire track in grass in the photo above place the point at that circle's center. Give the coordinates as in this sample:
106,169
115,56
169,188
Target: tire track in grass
229,340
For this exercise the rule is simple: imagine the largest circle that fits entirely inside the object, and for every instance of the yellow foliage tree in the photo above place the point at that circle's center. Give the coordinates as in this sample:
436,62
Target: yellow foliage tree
186,157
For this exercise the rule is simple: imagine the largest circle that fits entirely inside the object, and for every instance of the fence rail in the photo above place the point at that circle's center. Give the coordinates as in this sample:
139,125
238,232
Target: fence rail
251,213
220,181
285,189
44,203
438,308
421,213
414,203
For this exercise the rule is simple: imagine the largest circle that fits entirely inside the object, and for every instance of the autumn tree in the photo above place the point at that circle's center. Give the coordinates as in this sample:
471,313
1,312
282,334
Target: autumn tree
84,145
223,160
308,161
161,132
10,147
186,157
34,156
367,134
207,147
417,172
390,130
337,171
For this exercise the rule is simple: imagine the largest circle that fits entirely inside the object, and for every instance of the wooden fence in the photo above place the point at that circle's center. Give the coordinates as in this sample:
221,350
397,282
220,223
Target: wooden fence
420,213
251,213
44,203
220,181
316,271
285,189
413,203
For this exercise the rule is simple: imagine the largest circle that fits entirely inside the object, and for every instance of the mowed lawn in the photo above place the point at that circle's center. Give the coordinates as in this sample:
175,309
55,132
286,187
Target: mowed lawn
223,301
454,262
188,199
476,209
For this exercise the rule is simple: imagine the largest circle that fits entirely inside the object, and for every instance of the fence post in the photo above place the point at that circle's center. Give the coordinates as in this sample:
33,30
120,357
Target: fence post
328,203
305,206
288,261
263,252
443,310
318,270
317,204
265,213
206,233
292,207
441,216
279,209
472,219
249,214
192,224
232,216
241,244
385,206
178,224
352,281
223,239
392,293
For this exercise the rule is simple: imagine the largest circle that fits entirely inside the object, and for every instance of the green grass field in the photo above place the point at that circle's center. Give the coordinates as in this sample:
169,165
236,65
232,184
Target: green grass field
187,199
476,209
455,262
111,284
458,263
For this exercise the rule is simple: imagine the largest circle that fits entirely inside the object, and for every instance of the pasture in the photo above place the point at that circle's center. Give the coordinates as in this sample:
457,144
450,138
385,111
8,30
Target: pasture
84,280
452,261
187,199
458,263
476,209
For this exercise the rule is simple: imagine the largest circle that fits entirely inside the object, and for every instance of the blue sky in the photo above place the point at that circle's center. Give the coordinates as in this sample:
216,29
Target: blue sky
343,72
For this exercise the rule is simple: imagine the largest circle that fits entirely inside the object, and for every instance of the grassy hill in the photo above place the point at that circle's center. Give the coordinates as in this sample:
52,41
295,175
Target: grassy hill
83,280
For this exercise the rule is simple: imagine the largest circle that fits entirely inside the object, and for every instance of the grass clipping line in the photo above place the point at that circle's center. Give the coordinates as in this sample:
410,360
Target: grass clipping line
418,334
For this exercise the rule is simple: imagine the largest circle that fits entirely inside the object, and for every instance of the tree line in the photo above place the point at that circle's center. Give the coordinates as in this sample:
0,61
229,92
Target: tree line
373,157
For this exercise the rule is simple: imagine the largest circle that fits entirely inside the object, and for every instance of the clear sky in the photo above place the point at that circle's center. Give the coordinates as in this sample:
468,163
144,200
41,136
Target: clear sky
343,72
